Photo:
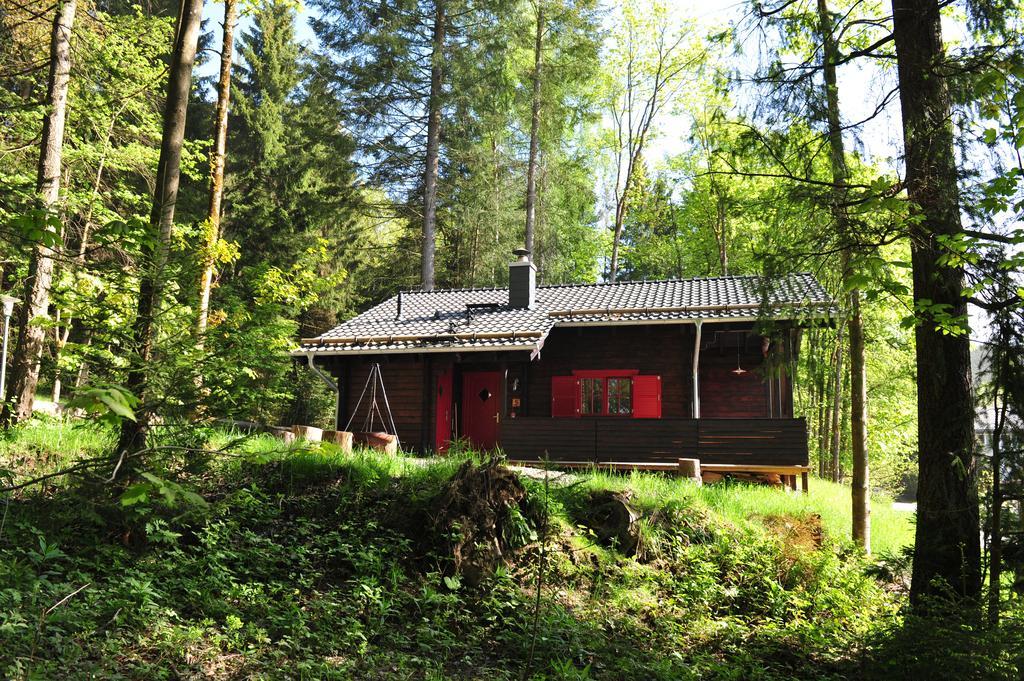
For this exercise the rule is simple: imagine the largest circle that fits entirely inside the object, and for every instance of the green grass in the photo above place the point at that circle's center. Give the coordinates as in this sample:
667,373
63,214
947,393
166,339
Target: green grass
300,561
44,444
891,530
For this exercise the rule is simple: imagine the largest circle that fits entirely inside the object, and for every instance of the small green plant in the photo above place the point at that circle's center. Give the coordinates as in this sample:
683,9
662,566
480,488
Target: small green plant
108,403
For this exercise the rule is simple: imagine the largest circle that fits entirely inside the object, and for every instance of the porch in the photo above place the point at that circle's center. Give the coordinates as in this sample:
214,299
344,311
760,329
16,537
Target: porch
778,442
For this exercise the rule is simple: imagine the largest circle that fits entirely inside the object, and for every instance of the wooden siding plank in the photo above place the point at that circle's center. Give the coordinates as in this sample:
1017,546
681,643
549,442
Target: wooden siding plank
778,442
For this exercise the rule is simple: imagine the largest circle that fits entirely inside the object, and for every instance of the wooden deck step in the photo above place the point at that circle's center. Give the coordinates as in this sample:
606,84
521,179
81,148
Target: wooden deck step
787,473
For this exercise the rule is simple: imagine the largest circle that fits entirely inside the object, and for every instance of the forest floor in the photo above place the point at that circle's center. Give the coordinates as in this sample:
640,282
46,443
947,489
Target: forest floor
234,558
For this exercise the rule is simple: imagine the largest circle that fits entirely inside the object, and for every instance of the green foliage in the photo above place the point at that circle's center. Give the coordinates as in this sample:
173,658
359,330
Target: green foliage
380,59
302,560
106,403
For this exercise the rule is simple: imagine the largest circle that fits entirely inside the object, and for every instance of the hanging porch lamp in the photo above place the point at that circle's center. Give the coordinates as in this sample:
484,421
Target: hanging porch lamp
739,370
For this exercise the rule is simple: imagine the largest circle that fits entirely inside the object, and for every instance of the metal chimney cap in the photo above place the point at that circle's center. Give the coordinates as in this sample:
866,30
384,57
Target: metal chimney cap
522,254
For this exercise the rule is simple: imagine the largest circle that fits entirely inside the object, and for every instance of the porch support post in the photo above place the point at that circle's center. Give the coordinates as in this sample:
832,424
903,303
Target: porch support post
696,368
344,381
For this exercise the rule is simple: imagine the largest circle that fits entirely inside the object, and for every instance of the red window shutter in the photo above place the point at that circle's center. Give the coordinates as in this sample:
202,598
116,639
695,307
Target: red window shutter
647,397
565,396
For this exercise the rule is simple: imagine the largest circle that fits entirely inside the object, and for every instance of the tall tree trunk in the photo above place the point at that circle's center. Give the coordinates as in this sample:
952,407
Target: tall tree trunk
531,168
61,334
620,221
433,146
824,367
539,229
947,547
161,221
721,231
840,175
25,364
995,565
217,157
837,404
859,426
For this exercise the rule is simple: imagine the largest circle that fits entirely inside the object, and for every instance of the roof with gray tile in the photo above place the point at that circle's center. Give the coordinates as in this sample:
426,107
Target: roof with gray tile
439,321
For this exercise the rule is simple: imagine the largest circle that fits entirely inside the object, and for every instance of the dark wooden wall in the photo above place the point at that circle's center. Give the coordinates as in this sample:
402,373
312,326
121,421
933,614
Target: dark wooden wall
778,442
664,350
724,394
405,379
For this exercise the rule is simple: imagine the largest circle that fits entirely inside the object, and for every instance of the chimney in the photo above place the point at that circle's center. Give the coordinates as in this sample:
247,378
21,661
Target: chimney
522,280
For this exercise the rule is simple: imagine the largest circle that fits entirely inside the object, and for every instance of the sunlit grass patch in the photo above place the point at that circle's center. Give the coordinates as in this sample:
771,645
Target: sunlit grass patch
741,503
44,444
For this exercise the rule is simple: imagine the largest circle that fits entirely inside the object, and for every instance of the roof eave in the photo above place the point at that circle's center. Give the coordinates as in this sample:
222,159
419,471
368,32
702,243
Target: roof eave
341,352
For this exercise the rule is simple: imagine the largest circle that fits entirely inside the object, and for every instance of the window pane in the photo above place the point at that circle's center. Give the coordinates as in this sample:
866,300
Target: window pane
593,395
620,396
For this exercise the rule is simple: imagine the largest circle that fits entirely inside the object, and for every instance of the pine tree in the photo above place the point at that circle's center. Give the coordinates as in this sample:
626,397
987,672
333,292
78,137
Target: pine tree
947,552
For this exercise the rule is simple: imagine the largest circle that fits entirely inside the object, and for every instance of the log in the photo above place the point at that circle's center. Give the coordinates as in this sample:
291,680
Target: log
308,433
612,518
341,438
384,442
285,436
690,468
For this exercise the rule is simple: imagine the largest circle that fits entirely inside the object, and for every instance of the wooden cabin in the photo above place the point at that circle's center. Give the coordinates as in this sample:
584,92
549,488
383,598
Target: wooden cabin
633,372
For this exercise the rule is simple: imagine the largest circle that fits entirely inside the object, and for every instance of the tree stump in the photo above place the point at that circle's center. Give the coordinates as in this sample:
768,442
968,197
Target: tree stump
384,442
285,436
474,516
308,433
613,520
690,468
341,438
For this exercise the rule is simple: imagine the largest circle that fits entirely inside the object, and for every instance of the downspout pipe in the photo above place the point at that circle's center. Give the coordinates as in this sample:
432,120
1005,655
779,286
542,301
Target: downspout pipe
696,369
319,372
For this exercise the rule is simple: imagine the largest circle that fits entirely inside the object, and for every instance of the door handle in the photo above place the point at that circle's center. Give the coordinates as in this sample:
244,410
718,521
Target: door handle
497,418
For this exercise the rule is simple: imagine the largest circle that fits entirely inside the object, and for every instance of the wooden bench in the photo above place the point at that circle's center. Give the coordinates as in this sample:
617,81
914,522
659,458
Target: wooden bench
788,474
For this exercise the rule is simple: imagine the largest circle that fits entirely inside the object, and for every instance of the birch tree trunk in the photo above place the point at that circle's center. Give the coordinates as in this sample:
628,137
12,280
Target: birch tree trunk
433,147
168,176
31,336
531,168
652,68
211,229
947,551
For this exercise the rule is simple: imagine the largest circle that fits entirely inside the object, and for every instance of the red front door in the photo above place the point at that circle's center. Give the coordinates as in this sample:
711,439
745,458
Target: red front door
481,407
443,429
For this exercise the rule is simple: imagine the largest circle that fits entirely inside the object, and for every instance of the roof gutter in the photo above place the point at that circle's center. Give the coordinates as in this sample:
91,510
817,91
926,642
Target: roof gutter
436,337
416,351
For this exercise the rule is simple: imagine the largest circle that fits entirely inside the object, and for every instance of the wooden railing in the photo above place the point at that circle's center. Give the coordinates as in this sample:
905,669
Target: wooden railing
777,442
